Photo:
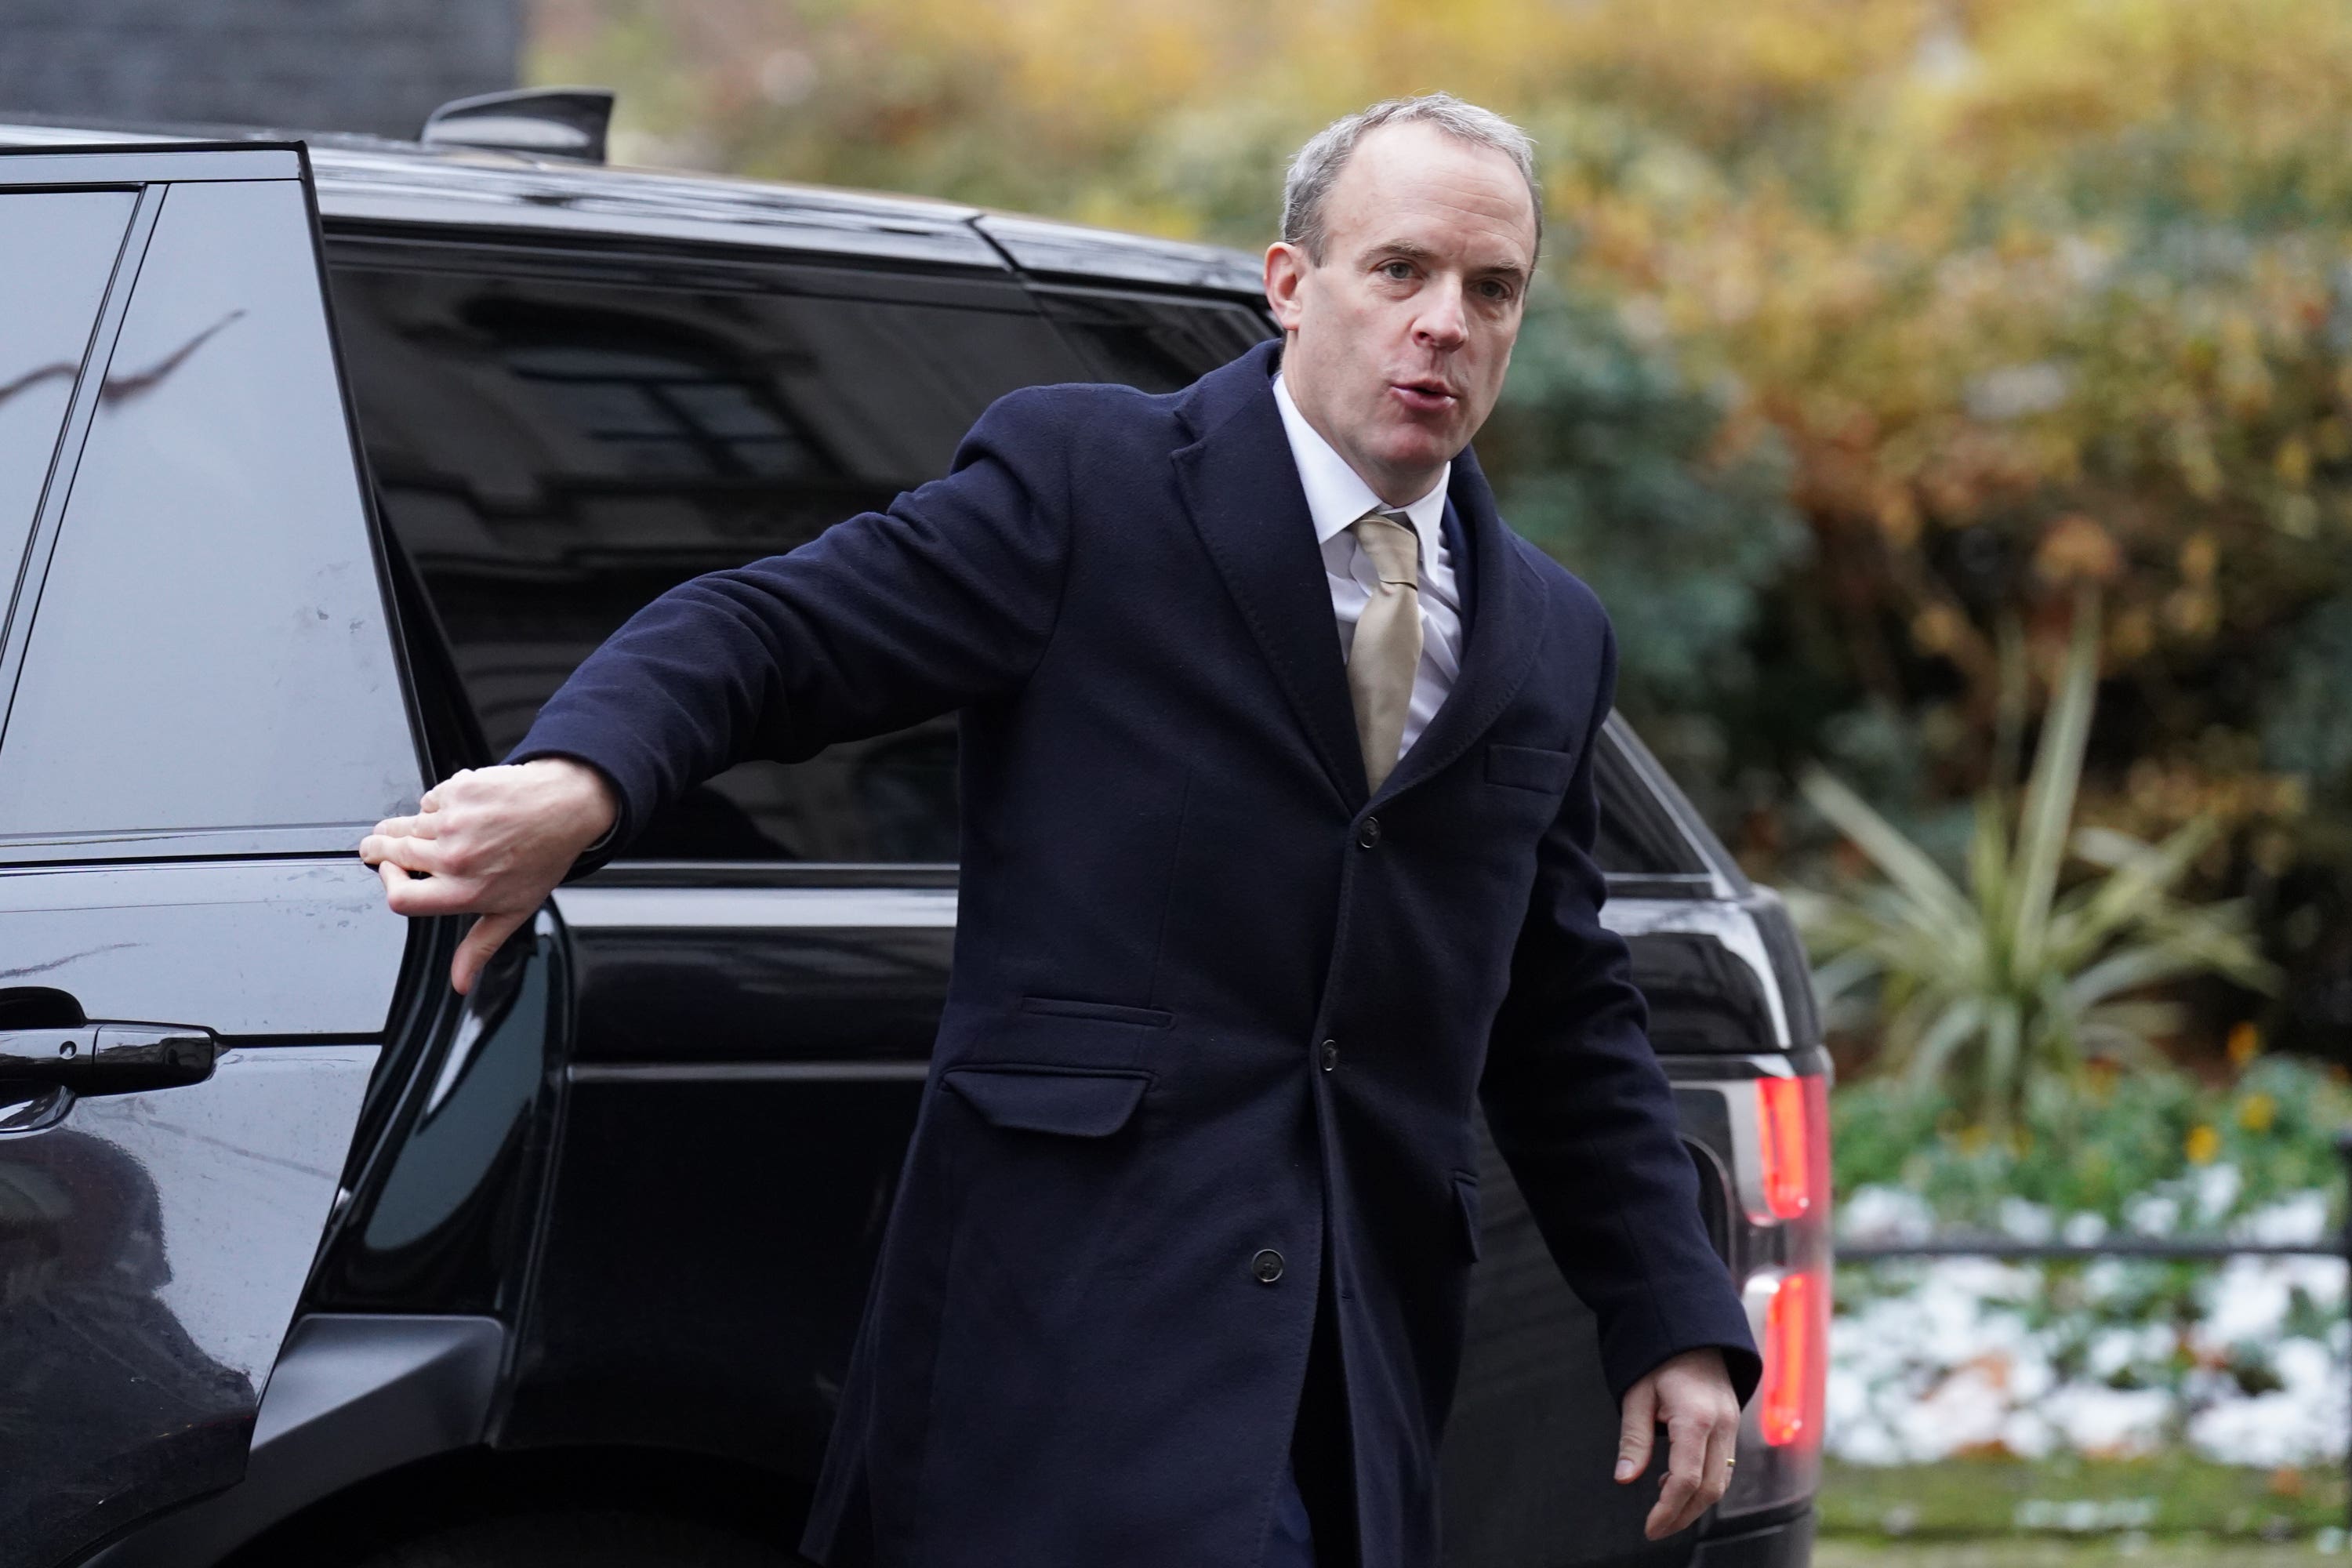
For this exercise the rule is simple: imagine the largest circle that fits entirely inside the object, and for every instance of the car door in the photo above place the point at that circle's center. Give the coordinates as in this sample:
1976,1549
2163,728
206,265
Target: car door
201,711
557,438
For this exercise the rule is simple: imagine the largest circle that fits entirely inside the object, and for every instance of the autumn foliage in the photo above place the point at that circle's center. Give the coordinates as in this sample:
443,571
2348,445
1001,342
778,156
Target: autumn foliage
1874,322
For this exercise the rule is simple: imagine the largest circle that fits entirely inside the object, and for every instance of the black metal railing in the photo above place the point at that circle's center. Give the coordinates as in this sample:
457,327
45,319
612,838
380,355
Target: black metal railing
2157,1247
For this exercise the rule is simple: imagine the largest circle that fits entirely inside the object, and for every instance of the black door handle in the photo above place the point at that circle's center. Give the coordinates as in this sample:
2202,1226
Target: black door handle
109,1058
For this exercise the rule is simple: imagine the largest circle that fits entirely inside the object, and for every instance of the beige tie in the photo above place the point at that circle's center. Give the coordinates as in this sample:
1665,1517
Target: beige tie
1387,650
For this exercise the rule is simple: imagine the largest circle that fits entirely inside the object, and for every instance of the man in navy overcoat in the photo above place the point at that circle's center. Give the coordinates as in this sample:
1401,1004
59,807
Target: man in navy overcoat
1278,814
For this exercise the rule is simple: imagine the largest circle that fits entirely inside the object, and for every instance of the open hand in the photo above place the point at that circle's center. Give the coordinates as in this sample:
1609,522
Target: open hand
492,842
1690,1395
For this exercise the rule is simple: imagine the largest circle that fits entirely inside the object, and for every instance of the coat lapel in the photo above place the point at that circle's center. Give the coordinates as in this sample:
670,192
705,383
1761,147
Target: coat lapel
1241,485
1507,625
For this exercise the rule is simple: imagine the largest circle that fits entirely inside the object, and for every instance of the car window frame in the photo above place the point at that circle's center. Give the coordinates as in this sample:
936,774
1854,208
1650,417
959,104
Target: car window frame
687,266
149,171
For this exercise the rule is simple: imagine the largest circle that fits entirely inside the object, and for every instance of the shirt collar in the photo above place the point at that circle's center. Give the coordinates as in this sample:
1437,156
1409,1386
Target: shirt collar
1337,495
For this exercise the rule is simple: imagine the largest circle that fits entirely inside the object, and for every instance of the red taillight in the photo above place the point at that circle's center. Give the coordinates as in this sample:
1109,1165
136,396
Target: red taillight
1796,1335
1792,1119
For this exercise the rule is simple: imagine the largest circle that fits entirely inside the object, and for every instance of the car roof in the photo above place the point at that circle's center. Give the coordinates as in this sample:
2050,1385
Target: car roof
365,180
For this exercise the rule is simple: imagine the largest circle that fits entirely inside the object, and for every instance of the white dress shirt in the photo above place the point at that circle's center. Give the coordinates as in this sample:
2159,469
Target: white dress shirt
1336,497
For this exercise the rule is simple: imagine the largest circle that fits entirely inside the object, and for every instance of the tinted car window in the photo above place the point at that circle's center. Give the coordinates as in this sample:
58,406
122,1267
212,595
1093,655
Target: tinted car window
555,450
1156,343
1639,836
56,252
210,648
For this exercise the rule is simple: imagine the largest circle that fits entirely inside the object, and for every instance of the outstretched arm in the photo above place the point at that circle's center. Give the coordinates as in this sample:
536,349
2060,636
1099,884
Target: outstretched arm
946,599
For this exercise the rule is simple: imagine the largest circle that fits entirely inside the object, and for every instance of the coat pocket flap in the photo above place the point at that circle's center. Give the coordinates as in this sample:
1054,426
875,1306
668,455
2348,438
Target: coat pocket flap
1097,1012
1530,767
1076,1104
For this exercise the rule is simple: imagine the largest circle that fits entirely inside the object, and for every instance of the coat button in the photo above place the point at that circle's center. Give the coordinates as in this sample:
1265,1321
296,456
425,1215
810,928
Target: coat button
1369,832
1330,1055
1266,1265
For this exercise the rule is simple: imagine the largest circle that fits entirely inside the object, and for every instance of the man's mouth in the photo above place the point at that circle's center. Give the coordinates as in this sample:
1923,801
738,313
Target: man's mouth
1425,396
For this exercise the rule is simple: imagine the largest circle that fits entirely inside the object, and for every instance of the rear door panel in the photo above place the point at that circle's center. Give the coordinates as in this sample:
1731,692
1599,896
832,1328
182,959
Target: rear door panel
201,711
559,439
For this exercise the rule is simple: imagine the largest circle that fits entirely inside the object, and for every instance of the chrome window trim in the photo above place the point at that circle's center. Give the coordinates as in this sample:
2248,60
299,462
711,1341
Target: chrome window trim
1723,876
756,908
601,908
749,1072
50,166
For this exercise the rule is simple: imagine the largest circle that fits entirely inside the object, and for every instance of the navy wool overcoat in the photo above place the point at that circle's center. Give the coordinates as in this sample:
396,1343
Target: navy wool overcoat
1174,891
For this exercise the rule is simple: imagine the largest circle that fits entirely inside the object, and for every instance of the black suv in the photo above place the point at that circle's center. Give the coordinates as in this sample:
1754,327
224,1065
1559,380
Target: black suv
319,468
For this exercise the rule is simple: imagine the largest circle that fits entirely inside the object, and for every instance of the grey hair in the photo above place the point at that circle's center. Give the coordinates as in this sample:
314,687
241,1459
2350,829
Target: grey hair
1317,167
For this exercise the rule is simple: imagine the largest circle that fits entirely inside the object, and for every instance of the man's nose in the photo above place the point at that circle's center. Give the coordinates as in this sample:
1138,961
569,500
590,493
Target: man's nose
1442,324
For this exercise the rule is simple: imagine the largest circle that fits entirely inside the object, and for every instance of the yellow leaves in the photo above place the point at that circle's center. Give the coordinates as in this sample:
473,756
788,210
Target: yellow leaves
2245,383
2256,1112
2100,1075
2292,462
2192,612
2193,609
2245,1043
1980,265
1940,629
2131,634
2054,71
2202,1145
2161,793
2194,460
1898,517
2074,548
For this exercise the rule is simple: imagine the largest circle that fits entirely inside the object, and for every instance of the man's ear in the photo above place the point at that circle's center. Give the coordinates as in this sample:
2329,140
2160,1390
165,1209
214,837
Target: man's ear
1286,273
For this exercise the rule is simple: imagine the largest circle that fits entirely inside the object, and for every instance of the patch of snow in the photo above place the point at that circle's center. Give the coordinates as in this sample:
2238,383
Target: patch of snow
1884,1213
2109,1421
2152,1214
2026,1221
2112,1350
2216,1189
2299,1220
2084,1229
2292,1426
1937,1355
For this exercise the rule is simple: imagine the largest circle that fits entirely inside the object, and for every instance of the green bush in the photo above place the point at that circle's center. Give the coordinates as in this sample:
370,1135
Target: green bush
2006,979
2094,1148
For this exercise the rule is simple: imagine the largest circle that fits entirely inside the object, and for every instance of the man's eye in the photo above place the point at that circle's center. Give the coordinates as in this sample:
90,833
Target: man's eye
1400,271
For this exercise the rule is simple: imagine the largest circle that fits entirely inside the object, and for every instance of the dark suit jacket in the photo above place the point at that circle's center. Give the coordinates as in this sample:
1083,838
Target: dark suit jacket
1214,1012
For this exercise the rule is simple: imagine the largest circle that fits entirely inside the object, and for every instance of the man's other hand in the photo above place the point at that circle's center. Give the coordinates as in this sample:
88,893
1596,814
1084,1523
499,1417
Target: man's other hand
492,842
1690,1395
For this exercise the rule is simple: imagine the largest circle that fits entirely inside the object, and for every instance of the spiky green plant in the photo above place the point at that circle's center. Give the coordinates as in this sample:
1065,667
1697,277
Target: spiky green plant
1986,981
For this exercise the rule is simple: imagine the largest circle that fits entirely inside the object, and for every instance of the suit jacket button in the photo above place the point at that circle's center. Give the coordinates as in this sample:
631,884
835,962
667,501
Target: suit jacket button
1330,1055
1266,1265
1369,832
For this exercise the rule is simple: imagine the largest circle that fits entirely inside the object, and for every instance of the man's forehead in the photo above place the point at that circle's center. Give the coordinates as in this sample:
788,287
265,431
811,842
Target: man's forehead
1415,187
